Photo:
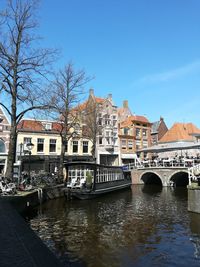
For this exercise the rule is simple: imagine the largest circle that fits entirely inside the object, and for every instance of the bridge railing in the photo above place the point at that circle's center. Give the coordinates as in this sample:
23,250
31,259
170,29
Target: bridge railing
162,163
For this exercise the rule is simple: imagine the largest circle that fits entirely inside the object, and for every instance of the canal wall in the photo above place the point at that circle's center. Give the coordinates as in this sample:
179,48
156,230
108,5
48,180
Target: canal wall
20,246
23,201
53,192
194,198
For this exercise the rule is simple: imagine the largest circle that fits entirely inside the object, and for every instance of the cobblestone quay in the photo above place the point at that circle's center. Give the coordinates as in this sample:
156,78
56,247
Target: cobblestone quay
19,245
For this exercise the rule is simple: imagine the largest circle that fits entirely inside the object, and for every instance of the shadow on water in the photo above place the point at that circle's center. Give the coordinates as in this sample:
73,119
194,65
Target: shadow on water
194,222
152,189
180,192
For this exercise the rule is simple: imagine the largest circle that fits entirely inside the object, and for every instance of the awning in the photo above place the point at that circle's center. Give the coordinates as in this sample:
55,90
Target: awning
171,147
128,156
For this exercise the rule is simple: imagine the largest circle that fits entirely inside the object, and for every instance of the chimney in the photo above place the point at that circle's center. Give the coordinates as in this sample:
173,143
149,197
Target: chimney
125,104
91,92
110,97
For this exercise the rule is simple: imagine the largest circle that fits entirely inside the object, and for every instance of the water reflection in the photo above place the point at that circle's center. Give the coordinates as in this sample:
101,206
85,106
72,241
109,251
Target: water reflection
195,229
144,226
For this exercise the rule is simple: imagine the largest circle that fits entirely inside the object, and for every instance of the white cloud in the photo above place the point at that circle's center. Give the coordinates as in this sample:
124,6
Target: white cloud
171,74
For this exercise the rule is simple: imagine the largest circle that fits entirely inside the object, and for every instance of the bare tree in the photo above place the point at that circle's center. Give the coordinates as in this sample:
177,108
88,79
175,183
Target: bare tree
92,123
22,66
67,90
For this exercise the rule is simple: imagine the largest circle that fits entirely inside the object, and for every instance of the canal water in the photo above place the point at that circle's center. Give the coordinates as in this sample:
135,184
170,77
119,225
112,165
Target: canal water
141,226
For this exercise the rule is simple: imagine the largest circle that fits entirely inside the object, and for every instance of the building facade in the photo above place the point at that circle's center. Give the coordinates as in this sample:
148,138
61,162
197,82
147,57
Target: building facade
104,126
4,141
158,130
134,135
45,136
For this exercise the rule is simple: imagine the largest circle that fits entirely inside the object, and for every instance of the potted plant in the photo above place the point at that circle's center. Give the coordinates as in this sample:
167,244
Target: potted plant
89,178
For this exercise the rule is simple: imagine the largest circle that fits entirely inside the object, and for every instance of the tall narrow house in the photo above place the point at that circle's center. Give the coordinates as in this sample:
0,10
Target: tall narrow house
4,141
100,117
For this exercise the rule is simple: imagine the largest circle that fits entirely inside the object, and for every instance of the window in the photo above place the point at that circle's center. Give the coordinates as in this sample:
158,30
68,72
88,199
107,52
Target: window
40,145
27,140
107,119
144,132
52,145
130,144
108,140
1,128
66,146
125,131
100,141
138,144
47,126
123,144
137,131
100,121
2,147
75,147
85,146
145,144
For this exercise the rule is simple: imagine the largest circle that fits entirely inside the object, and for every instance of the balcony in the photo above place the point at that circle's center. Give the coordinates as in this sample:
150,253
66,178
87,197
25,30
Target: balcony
109,147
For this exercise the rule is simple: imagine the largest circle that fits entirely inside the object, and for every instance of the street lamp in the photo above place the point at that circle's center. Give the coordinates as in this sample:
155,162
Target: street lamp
30,147
21,146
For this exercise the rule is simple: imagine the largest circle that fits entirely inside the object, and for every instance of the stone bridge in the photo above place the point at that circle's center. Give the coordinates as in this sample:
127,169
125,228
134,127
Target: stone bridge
161,176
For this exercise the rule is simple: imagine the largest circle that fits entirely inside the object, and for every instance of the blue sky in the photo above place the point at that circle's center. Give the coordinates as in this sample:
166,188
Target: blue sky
146,51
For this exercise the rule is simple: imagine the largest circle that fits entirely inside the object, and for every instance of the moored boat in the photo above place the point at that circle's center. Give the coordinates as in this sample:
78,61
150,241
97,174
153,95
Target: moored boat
88,180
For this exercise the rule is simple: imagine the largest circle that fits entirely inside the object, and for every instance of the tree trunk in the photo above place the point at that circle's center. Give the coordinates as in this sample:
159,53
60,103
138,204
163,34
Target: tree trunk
61,162
12,152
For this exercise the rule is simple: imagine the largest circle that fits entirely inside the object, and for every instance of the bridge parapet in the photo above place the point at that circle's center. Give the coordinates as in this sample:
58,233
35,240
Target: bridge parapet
165,174
164,163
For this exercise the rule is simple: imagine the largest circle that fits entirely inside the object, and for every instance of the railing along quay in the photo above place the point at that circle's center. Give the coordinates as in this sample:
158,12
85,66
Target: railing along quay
163,163
194,173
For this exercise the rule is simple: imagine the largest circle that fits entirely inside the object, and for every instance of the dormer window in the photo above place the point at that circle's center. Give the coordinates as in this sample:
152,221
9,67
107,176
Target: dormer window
47,126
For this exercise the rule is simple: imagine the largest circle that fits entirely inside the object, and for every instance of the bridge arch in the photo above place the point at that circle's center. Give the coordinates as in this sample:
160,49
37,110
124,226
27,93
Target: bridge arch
150,178
179,178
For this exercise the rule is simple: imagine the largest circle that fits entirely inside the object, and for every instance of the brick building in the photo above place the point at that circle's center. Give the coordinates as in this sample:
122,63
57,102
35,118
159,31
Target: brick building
134,134
158,130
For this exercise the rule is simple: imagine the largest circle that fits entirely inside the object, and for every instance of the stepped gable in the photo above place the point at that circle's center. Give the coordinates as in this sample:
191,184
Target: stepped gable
83,105
180,132
124,112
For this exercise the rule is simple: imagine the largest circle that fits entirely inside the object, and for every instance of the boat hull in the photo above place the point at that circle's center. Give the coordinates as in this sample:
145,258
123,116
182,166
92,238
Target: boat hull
89,194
